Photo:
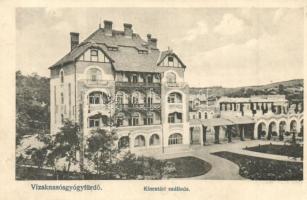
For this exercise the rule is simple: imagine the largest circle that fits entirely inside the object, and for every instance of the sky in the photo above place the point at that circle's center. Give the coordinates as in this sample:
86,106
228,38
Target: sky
226,47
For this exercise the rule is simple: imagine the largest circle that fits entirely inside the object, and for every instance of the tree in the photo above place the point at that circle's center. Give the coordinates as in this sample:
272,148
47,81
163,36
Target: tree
65,145
102,151
281,89
32,105
38,156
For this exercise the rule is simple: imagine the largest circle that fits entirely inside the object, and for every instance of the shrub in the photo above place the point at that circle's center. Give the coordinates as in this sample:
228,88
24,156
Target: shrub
287,133
274,133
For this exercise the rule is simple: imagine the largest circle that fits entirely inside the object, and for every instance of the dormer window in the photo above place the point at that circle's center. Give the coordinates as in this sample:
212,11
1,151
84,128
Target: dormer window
134,78
149,79
94,55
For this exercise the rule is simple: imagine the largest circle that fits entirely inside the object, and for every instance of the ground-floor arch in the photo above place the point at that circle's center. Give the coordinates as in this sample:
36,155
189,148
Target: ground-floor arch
139,141
124,142
261,130
154,140
272,132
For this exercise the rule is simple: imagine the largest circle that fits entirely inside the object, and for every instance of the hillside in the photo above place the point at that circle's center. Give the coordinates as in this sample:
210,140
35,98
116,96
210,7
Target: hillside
293,89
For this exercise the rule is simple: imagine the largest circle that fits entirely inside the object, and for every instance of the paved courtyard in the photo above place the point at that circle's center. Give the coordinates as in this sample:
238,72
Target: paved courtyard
223,169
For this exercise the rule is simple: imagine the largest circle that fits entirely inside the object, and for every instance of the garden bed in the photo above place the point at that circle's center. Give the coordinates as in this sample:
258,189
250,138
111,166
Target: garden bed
283,150
183,167
264,169
189,167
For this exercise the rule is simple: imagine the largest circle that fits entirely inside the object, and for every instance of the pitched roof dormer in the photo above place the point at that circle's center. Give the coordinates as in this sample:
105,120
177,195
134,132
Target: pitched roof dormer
170,59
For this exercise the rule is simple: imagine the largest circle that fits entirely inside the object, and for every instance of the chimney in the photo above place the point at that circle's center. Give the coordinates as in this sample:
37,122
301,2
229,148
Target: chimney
108,27
148,38
153,42
74,40
128,30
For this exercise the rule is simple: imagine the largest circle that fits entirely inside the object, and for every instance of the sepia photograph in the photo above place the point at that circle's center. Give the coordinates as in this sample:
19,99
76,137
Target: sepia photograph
131,93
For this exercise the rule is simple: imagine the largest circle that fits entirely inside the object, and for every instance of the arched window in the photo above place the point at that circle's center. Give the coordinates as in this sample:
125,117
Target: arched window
135,98
62,76
171,77
139,141
94,74
97,98
175,117
206,115
174,97
120,119
175,138
199,115
148,120
120,98
154,140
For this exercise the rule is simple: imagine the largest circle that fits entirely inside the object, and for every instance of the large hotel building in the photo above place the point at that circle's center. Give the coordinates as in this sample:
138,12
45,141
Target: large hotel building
116,80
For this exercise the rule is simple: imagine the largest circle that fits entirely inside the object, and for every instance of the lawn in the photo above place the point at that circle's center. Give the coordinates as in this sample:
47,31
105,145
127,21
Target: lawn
283,150
189,167
264,169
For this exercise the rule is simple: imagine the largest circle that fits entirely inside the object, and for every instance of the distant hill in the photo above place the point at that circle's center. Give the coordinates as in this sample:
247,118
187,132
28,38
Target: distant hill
291,88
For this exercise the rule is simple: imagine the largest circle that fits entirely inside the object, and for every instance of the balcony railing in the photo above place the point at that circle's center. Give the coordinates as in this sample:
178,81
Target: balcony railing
153,106
138,84
98,107
179,84
95,83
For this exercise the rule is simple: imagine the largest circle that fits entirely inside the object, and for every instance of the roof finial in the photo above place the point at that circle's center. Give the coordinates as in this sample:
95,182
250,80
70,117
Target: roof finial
169,49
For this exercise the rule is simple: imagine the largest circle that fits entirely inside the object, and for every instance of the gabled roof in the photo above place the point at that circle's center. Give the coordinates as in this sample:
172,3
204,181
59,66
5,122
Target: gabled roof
166,53
129,55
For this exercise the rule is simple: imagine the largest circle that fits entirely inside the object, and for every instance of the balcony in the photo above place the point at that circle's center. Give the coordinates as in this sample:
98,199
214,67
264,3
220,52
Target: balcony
138,84
175,106
98,107
179,84
176,125
96,83
139,107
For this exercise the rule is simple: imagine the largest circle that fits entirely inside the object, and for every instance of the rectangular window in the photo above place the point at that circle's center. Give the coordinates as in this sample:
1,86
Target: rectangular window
69,100
94,99
94,55
171,118
62,98
94,123
135,121
150,120
171,98
134,79
55,106
150,79
170,61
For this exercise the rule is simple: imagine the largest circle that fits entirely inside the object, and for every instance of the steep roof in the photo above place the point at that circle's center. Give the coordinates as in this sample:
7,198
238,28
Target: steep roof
166,53
127,57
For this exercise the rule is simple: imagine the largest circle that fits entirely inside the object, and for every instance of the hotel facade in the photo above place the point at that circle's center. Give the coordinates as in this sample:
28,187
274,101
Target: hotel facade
115,80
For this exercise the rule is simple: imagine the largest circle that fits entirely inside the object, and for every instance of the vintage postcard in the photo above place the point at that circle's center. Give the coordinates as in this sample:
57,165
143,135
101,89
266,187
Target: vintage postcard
134,102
